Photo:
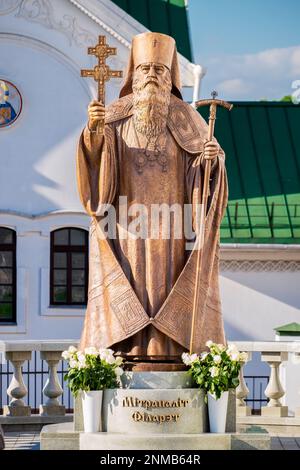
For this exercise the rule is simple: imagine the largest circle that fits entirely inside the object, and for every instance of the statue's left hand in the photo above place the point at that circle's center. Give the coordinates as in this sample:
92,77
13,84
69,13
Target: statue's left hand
211,150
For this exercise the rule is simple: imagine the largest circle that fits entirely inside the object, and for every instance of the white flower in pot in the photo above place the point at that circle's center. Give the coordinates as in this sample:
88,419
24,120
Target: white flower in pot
91,372
216,372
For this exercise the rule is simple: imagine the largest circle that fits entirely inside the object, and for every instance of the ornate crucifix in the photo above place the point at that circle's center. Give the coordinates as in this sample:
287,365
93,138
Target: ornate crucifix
101,73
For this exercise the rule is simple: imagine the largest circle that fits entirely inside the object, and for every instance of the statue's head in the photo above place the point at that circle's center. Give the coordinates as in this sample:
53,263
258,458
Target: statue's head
152,48
152,75
151,88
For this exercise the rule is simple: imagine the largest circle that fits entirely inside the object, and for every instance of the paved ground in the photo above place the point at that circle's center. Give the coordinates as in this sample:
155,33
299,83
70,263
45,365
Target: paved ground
22,440
31,441
285,443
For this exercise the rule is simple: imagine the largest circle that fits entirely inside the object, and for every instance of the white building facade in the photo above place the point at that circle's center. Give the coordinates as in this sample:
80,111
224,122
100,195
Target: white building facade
43,46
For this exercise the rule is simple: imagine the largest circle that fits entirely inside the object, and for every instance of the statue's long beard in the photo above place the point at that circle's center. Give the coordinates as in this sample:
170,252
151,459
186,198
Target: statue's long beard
151,107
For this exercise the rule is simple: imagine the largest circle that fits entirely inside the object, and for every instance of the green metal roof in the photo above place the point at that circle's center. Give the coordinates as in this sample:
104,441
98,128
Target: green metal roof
162,16
262,145
292,329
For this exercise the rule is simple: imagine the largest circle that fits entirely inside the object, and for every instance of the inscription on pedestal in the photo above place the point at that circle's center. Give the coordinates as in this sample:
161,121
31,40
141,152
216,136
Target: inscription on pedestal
154,411
146,417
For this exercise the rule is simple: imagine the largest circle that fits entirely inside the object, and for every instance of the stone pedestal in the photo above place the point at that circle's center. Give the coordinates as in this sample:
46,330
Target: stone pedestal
63,437
155,386
109,441
156,380
153,410
206,441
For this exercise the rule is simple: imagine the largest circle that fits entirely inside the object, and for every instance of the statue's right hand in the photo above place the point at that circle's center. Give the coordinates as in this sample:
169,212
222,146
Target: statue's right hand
96,113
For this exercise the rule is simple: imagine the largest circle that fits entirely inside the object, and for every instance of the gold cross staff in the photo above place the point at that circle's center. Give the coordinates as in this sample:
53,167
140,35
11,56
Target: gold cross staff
101,73
213,103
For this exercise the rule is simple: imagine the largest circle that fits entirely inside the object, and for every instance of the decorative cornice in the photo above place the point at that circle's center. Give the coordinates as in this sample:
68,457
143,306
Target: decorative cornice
261,252
42,12
259,266
42,215
101,23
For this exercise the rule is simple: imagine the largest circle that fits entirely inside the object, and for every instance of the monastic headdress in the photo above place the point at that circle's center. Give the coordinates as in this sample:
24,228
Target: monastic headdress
153,47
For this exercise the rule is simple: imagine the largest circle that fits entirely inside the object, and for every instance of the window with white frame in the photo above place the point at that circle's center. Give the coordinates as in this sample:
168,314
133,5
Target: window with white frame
8,276
69,266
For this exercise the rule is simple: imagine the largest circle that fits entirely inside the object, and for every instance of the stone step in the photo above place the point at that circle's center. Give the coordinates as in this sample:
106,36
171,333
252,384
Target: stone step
63,437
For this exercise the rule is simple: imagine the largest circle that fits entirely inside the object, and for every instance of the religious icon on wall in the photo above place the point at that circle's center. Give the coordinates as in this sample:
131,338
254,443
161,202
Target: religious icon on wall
10,103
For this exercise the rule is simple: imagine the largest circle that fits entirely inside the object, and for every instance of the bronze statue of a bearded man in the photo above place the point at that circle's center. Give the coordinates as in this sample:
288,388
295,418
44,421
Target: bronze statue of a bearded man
152,152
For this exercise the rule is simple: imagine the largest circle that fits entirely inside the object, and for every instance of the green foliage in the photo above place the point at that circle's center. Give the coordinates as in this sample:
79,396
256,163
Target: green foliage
287,98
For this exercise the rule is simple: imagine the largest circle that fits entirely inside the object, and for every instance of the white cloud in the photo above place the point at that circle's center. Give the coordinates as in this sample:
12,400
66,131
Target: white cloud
295,61
234,85
266,74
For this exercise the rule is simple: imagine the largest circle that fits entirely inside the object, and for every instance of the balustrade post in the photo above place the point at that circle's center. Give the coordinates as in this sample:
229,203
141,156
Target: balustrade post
297,361
274,390
242,392
52,389
17,389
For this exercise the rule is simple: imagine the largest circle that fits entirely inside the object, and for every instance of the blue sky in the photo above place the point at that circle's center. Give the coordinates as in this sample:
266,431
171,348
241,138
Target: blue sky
251,48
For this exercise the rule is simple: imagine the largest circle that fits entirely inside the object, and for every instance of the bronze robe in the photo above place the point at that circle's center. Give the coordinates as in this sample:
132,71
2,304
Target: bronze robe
141,290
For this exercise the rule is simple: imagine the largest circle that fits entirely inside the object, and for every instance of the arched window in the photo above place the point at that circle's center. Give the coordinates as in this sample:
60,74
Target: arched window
69,267
8,278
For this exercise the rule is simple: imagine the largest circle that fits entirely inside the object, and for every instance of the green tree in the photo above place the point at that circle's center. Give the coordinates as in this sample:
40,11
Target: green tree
287,98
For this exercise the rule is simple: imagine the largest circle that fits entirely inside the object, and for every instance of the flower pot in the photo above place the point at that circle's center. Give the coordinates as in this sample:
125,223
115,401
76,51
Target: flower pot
92,410
217,412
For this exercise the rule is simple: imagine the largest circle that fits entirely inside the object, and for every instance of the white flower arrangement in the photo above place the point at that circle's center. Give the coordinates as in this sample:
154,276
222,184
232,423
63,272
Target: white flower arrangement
92,369
216,371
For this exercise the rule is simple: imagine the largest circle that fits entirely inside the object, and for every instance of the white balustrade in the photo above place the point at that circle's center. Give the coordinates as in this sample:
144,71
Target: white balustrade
272,352
17,352
274,391
296,361
52,389
17,389
242,392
